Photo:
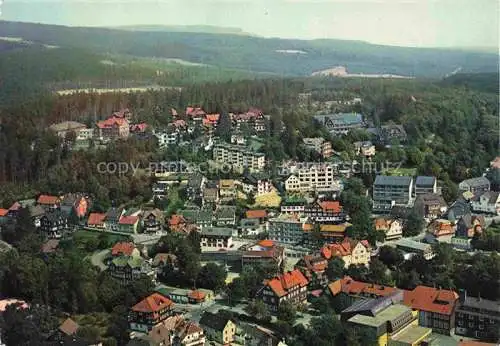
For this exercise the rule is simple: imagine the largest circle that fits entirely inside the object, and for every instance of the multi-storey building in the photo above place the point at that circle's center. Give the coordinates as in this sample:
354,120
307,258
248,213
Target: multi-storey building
216,237
293,205
390,191
320,146
388,322
149,312
319,178
425,185
366,149
239,157
436,307
314,269
218,327
53,224
342,123
290,287
488,202
325,211
286,229
254,119
62,129
430,205
477,317
265,252
477,186
113,128
127,269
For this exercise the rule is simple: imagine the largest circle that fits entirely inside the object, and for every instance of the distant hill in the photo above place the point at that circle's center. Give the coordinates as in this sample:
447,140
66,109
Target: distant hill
284,57
207,29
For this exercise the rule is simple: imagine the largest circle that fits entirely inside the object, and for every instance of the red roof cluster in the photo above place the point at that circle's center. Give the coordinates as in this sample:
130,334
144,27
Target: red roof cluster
431,299
282,284
352,287
331,206
48,200
112,122
123,248
153,303
96,219
3,212
341,249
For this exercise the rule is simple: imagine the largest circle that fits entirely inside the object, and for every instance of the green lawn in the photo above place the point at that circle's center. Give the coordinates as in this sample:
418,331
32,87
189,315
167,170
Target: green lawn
90,241
402,171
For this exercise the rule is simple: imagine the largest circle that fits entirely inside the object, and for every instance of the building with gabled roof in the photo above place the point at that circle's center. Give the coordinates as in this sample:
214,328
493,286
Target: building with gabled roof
436,307
326,211
350,251
96,220
477,186
218,327
150,311
48,201
289,287
113,128
314,269
128,224
265,252
392,228
124,248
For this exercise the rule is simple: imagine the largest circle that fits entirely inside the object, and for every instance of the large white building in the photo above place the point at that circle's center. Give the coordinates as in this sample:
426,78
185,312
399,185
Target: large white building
239,157
320,178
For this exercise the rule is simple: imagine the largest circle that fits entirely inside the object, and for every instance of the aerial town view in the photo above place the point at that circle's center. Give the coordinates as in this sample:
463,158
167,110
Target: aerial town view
279,173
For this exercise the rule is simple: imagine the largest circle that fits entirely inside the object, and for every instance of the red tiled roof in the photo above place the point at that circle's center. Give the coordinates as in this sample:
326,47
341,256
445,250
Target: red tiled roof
153,303
266,243
197,295
213,118
125,248
128,220
3,212
176,220
48,200
431,299
331,206
69,327
111,122
96,219
282,284
349,286
256,214
179,123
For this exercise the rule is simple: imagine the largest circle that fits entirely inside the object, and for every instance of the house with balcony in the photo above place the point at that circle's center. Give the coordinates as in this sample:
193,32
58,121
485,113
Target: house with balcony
265,252
128,224
153,221
341,123
227,190
113,216
325,211
488,203
366,149
149,312
258,184
113,128
478,318
440,230
314,269
287,229
225,215
289,287
54,224
216,237
425,185
390,191
319,146
430,205
49,202
293,205
127,269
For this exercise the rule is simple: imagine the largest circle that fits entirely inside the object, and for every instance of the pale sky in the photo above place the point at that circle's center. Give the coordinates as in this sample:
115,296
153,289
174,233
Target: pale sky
421,23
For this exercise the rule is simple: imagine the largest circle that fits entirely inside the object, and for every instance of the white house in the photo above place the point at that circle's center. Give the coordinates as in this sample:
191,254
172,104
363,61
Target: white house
488,202
393,229
167,138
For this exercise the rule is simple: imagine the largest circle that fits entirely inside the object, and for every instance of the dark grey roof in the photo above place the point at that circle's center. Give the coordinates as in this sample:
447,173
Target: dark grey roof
392,180
479,181
458,209
425,181
430,198
36,211
214,321
217,231
114,213
483,304
225,212
369,307
55,216
195,180
249,223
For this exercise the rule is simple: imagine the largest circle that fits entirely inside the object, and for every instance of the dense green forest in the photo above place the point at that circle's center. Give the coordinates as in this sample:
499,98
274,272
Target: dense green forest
258,54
